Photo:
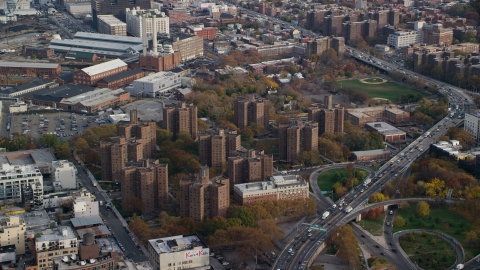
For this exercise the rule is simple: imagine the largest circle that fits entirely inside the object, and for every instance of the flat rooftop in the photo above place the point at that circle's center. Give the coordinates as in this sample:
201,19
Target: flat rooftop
57,94
37,157
177,243
108,38
28,65
86,221
95,45
26,86
59,233
370,152
384,128
94,97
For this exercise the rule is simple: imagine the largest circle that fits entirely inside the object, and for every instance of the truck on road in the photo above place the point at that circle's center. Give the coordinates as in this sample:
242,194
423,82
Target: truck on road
348,209
367,182
426,134
325,214
459,267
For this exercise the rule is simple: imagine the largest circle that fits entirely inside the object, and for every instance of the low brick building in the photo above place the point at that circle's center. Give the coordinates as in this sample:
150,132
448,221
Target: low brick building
30,69
91,75
121,79
39,51
82,57
389,133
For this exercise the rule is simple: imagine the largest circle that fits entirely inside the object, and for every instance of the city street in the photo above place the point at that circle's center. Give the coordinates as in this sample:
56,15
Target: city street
120,234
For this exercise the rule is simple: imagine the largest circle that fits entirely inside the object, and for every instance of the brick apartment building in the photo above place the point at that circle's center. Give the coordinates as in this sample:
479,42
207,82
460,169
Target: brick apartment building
42,70
202,197
177,15
436,34
215,147
249,166
251,109
190,46
179,117
91,75
296,137
281,187
354,30
135,141
329,119
146,180
207,33
320,45
121,79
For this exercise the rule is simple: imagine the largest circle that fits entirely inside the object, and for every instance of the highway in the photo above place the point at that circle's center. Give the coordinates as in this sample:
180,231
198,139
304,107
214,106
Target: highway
300,250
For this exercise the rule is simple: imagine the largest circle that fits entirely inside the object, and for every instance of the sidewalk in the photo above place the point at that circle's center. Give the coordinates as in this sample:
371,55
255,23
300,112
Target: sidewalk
379,239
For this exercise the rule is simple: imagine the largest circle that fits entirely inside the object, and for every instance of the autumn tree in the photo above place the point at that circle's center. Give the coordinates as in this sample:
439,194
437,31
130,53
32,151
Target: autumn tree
242,213
436,187
92,157
399,221
422,209
310,158
62,150
81,146
48,140
377,197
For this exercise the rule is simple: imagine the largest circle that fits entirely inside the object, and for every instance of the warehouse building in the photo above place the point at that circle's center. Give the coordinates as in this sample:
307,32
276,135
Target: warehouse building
95,101
91,75
100,44
121,79
21,90
30,69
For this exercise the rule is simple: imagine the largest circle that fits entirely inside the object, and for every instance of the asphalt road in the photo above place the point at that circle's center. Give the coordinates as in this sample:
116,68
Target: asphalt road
391,170
374,248
120,234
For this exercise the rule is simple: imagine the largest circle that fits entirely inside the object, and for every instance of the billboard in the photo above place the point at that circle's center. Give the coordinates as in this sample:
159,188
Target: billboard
194,254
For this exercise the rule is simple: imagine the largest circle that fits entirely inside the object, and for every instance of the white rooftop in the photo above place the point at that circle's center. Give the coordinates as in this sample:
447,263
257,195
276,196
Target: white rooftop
18,169
182,243
96,69
27,64
94,97
98,52
111,20
95,45
108,38
156,76
60,233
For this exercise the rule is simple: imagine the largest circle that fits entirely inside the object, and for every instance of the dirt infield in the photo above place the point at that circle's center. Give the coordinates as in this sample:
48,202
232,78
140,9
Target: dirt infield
373,80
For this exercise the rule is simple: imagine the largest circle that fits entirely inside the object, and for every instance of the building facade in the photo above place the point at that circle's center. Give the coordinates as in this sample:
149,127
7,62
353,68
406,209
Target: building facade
147,181
391,114
202,197
436,34
388,132
57,242
12,232
296,137
29,69
21,184
472,124
181,251
135,24
215,147
65,173
320,45
371,155
284,187
329,118
249,166
179,117
156,83
108,24
121,79
91,75
85,207
136,140
401,39
190,46
251,109
115,7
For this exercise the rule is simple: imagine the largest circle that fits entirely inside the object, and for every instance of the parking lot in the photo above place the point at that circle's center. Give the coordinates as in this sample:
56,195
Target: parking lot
35,125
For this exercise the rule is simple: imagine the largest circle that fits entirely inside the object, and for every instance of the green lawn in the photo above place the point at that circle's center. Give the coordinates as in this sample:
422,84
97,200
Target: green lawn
374,227
440,219
326,179
96,171
428,251
388,90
